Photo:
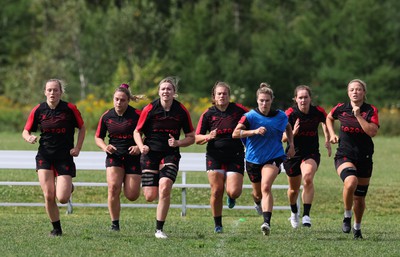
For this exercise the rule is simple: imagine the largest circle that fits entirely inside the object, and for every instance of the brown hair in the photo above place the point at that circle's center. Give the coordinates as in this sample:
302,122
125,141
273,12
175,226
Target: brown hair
219,84
124,88
59,82
301,87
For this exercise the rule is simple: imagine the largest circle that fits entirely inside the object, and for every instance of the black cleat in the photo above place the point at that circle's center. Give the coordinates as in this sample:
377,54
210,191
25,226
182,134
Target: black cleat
55,232
357,234
346,228
114,227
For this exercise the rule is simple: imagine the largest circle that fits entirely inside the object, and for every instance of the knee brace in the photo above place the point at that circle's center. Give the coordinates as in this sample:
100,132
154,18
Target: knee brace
361,190
169,171
150,179
350,171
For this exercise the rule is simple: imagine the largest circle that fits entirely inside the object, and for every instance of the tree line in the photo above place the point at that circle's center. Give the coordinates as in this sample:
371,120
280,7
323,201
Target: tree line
96,45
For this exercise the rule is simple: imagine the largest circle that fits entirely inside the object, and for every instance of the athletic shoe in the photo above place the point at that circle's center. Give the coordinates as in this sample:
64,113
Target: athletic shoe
114,227
230,202
266,229
258,208
218,230
306,221
160,234
357,234
346,227
294,220
55,232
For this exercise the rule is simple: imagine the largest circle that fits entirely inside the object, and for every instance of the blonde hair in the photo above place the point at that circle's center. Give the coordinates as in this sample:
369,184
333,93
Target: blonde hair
265,88
362,83
171,80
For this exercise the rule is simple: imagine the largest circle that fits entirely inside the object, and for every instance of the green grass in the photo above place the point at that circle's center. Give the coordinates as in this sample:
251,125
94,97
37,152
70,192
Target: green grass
24,230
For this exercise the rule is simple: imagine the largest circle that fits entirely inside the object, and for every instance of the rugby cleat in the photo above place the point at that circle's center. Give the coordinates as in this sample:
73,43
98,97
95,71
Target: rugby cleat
160,234
346,227
266,229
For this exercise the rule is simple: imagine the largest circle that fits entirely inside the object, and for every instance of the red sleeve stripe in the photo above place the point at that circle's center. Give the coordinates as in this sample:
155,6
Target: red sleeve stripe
334,108
200,123
31,117
77,114
143,116
319,108
99,124
188,117
289,111
242,107
374,118
242,120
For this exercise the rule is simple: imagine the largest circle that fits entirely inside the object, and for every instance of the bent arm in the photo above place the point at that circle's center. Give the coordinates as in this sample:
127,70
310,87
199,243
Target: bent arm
289,139
201,139
100,143
188,140
326,135
137,136
241,131
371,129
28,137
79,143
330,121
81,137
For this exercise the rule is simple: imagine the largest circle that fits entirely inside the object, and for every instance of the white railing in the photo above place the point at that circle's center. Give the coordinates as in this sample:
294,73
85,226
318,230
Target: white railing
190,162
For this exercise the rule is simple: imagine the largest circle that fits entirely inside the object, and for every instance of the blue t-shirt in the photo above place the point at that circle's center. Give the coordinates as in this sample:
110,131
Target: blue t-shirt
261,149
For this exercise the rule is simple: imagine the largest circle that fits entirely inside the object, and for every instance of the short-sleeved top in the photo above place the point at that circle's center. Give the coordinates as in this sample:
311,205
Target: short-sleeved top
261,149
120,128
57,127
157,124
223,145
306,140
354,143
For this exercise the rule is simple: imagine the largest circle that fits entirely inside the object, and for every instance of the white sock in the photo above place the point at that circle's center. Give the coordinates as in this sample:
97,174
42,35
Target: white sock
347,213
357,226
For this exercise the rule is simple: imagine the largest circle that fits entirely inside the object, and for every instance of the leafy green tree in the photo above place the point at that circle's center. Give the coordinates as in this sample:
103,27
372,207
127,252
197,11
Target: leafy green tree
355,39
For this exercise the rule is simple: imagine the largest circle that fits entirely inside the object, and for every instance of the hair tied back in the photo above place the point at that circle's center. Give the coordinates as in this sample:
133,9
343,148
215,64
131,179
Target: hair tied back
124,86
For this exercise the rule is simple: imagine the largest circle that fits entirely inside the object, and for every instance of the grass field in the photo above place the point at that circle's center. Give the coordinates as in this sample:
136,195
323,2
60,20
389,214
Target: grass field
24,230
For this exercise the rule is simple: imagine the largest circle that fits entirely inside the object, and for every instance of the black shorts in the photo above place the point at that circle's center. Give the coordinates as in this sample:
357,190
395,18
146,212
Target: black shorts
130,163
153,159
235,164
364,166
292,165
59,166
254,170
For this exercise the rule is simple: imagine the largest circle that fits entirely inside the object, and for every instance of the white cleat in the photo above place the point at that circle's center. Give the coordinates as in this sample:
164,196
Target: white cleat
306,221
160,234
294,220
266,229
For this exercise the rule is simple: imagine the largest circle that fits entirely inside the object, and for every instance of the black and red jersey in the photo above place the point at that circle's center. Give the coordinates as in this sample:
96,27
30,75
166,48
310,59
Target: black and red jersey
225,122
306,140
57,127
157,124
354,143
120,128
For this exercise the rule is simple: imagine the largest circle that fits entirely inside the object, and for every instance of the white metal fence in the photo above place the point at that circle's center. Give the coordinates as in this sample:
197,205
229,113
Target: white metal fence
190,162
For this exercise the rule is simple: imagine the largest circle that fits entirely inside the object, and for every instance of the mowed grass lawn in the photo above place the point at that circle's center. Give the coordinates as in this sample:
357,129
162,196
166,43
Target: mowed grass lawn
24,230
